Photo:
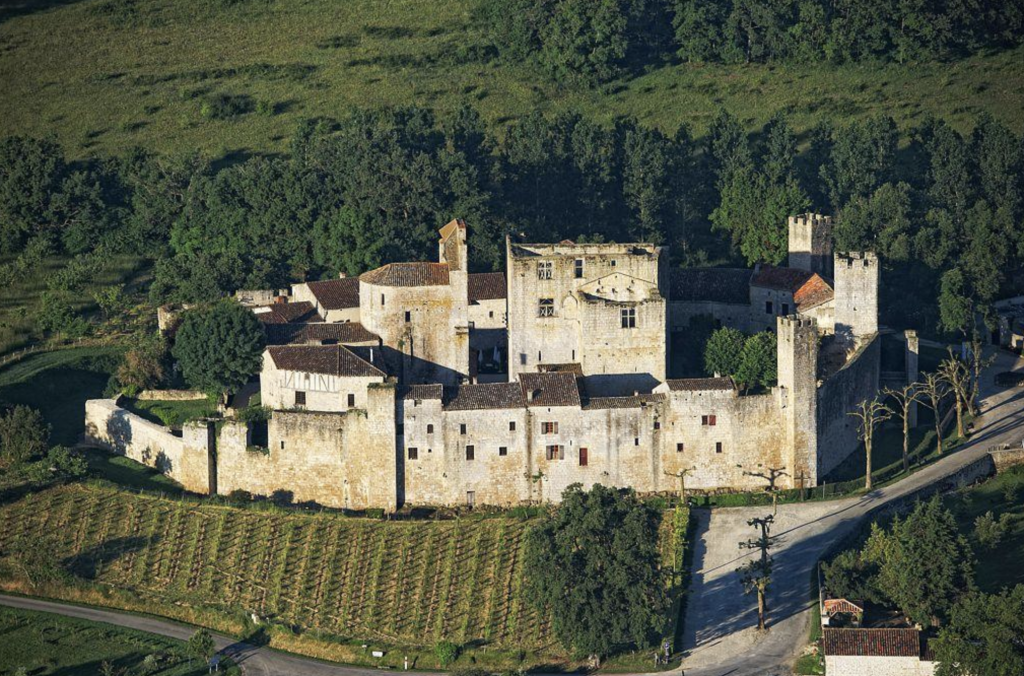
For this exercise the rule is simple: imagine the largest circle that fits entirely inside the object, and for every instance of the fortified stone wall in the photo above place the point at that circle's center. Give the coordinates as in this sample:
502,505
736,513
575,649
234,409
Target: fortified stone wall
618,360
323,392
853,383
186,459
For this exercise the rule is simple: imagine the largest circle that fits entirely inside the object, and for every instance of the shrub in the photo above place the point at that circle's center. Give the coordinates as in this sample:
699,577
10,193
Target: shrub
67,462
989,530
23,435
239,496
446,653
226,106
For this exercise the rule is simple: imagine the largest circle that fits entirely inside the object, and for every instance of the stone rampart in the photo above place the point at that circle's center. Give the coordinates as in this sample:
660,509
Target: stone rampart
855,381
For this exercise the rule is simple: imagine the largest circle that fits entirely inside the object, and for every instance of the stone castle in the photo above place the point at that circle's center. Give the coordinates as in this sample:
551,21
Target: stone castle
424,384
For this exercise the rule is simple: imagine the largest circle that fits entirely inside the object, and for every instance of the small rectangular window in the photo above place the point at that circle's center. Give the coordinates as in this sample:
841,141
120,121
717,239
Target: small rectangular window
490,314
414,453
382,299
511,425
430,429
503,451
679,447
785,309
628,318
636,441
549,428
613,264
470,498
544,270
555,452
300,398
546,307
282,444
522,359
657,425
718,447
579,268
768,308
712,420
462,428
583,456
470,452
408,316
351,400
708,420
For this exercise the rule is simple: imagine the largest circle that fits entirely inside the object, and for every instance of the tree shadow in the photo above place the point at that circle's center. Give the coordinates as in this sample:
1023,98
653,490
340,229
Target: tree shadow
87,564
10,9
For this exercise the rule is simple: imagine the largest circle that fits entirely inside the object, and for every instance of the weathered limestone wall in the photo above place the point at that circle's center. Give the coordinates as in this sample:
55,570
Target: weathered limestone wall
856,296
301,292
170,395
323,392
617,360
855,665
798,403
1005,459
856,381
345,460
186,459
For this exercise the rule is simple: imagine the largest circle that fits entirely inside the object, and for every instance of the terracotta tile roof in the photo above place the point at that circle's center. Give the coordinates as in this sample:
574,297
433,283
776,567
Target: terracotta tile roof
573,368
808,288
408,274
815,292
336,294
483,396
872,642
599,403
344,333
283,313
432,391
697,384
842,606
549,389
334,360
486,286
718,285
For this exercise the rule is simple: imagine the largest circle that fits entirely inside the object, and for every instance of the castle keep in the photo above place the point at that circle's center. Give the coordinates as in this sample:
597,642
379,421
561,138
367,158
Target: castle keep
422,383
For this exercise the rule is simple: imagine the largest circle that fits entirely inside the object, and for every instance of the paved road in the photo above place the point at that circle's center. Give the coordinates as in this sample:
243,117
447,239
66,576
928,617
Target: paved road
720,632
253,660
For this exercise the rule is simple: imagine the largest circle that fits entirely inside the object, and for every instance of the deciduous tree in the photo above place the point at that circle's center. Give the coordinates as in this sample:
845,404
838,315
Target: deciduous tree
219,347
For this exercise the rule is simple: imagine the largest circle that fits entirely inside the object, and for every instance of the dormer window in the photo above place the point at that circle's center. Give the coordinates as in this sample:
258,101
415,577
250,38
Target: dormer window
544,270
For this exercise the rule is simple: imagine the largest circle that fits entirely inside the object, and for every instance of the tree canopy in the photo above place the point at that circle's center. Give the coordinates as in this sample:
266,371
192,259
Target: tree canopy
219,347
983,636
23,435
593,563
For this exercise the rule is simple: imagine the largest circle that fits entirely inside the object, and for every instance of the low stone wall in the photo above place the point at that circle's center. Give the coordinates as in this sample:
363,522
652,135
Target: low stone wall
1004,459
186,459
170,395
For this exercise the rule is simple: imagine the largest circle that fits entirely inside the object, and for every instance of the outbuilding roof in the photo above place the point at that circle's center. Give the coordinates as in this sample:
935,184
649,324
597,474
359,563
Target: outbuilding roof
344,333
334,360
483,396
698,384
549,389
808,288
426,391
283,313
336,294
486,286
872,642
408,274
716,285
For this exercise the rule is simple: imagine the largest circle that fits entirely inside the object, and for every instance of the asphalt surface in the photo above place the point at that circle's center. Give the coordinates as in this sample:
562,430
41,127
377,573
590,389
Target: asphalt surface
720,632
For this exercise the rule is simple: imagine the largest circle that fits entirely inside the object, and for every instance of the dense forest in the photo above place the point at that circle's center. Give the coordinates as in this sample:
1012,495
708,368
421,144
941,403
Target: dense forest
943,210
593,41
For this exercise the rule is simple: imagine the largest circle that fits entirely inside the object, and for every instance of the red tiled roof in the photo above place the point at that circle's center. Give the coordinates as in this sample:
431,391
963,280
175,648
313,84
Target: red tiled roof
429,391
336,294
550,389
842,606
483,396
718,285
872,642
486,286
815,292
335,360
284,313
697,384
408,274
344,333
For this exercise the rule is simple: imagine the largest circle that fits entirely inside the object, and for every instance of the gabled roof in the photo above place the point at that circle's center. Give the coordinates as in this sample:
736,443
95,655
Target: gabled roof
635,401
344,333
408,274
872,642
833,606
619,287
428,391
486,286
572,367
549,389
334,360
697,384
336,294
283,313
451,227
808,288
716,285
483,396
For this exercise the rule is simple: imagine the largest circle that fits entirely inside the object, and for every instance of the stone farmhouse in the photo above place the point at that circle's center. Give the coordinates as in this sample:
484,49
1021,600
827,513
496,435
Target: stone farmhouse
421,383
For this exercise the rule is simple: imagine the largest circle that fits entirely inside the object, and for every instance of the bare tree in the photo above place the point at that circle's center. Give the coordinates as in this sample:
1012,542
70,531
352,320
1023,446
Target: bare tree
935,388
979,362
681,475
771,475
869,414
956,374
906,397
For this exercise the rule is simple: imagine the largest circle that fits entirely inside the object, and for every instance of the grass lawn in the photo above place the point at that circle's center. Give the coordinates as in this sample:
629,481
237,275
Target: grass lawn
1004,494
127,472
170,413
51,645
19,301
58,384
107,74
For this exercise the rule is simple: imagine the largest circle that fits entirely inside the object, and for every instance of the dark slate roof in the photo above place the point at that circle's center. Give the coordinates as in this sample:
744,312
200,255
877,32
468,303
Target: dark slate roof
431,391
336,294
872,642
483,396
486,286
550,389
697,384
718,285
347,332
408,274
335,360
284,313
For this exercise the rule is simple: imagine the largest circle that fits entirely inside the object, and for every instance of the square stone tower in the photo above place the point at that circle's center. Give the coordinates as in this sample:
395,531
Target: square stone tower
856,296
798,396
810,243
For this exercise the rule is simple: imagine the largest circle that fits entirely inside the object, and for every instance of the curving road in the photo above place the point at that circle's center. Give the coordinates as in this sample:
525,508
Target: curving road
720,636
720,631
